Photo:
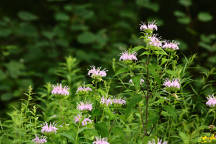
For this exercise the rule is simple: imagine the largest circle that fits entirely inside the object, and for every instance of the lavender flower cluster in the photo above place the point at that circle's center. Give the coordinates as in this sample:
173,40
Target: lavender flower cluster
126,56
172,83
109,101
60,90
83,89
155,41
96,72
211,101
150,26
49,128
38,140
157,142
100,141
46,129
84,106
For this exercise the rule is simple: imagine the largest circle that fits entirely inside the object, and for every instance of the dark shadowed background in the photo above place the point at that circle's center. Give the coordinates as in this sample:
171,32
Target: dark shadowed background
36,35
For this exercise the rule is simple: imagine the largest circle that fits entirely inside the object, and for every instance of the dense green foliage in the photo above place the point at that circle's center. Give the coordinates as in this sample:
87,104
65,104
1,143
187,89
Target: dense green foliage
152,110
37,37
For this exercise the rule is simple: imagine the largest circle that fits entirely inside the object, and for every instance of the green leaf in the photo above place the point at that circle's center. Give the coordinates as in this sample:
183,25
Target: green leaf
102,128
79,27
132,102
179,14
120,71
6,96
86,38
136,81
69,136
184,20
148,4
15,68
205,16
137,48
27,16
185,138
164,60
185,3
48,34
160,52
2,75
60,16
145,53
5,32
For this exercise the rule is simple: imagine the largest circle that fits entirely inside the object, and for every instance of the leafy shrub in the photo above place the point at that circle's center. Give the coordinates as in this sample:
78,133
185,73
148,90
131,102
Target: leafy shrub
146,97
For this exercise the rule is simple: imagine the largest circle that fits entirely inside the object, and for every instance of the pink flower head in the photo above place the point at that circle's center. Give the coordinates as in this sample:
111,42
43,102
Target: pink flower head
106,101
154,41
171,45
86,121
77,118
211,101
128,56
83,89
84,106
59,90
38,140
172,84
100,141
96,72
158,142
119,101
49,128
141,81
109,101
150,26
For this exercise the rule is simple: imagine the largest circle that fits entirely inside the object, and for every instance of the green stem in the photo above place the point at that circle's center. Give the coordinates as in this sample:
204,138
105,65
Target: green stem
76,138
147,96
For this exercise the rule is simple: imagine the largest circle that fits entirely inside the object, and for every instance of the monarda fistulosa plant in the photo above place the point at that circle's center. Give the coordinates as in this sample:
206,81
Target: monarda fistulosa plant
141,100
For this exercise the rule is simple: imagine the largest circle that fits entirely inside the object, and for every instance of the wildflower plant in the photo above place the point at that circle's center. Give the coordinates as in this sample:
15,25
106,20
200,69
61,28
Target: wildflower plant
142,99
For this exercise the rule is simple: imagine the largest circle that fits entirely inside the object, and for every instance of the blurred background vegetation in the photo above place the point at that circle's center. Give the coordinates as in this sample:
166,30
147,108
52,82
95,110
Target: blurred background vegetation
37,35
